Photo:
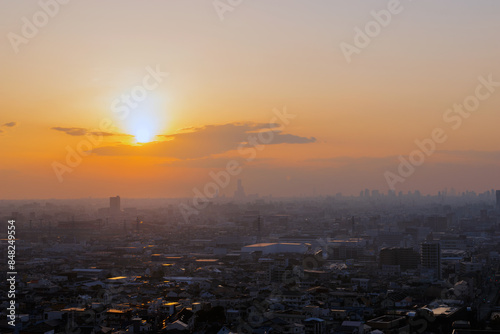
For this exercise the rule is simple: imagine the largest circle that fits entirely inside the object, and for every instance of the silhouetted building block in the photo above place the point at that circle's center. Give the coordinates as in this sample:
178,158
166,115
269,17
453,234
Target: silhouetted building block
437,223
406,258
114,205
430,257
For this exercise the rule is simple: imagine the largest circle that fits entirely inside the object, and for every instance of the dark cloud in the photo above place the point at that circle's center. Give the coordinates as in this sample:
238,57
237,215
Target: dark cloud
279,138
107,134
71,131
74,131
7,125
208,140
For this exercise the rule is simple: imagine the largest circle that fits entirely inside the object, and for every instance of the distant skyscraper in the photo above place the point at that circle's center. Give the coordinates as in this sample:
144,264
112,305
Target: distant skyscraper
430,257
259,229
498,199
240,192
114,205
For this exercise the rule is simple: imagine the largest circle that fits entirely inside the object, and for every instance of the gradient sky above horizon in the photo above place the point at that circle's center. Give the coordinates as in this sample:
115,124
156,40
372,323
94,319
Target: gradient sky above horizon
352,120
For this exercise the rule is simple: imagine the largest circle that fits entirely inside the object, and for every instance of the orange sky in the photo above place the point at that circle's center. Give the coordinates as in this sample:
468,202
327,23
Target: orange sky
350,121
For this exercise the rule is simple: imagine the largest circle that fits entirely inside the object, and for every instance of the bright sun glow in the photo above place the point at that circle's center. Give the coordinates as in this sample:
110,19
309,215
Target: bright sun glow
143,135
145,125
147,120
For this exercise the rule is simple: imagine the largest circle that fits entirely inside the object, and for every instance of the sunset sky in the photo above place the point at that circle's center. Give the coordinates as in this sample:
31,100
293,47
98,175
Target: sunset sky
229,75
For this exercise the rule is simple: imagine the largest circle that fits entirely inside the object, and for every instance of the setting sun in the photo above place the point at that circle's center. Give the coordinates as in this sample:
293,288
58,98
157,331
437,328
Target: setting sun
143,135
147,120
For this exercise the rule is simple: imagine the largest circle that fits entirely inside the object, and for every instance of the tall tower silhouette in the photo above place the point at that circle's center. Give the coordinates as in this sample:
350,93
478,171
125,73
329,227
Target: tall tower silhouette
259,229
240,192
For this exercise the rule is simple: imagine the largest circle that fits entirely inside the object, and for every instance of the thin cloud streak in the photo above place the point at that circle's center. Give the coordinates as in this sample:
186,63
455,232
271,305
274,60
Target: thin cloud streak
76,131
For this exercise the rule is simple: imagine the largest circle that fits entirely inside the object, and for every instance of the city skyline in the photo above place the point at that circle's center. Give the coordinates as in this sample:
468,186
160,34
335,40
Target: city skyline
313,99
